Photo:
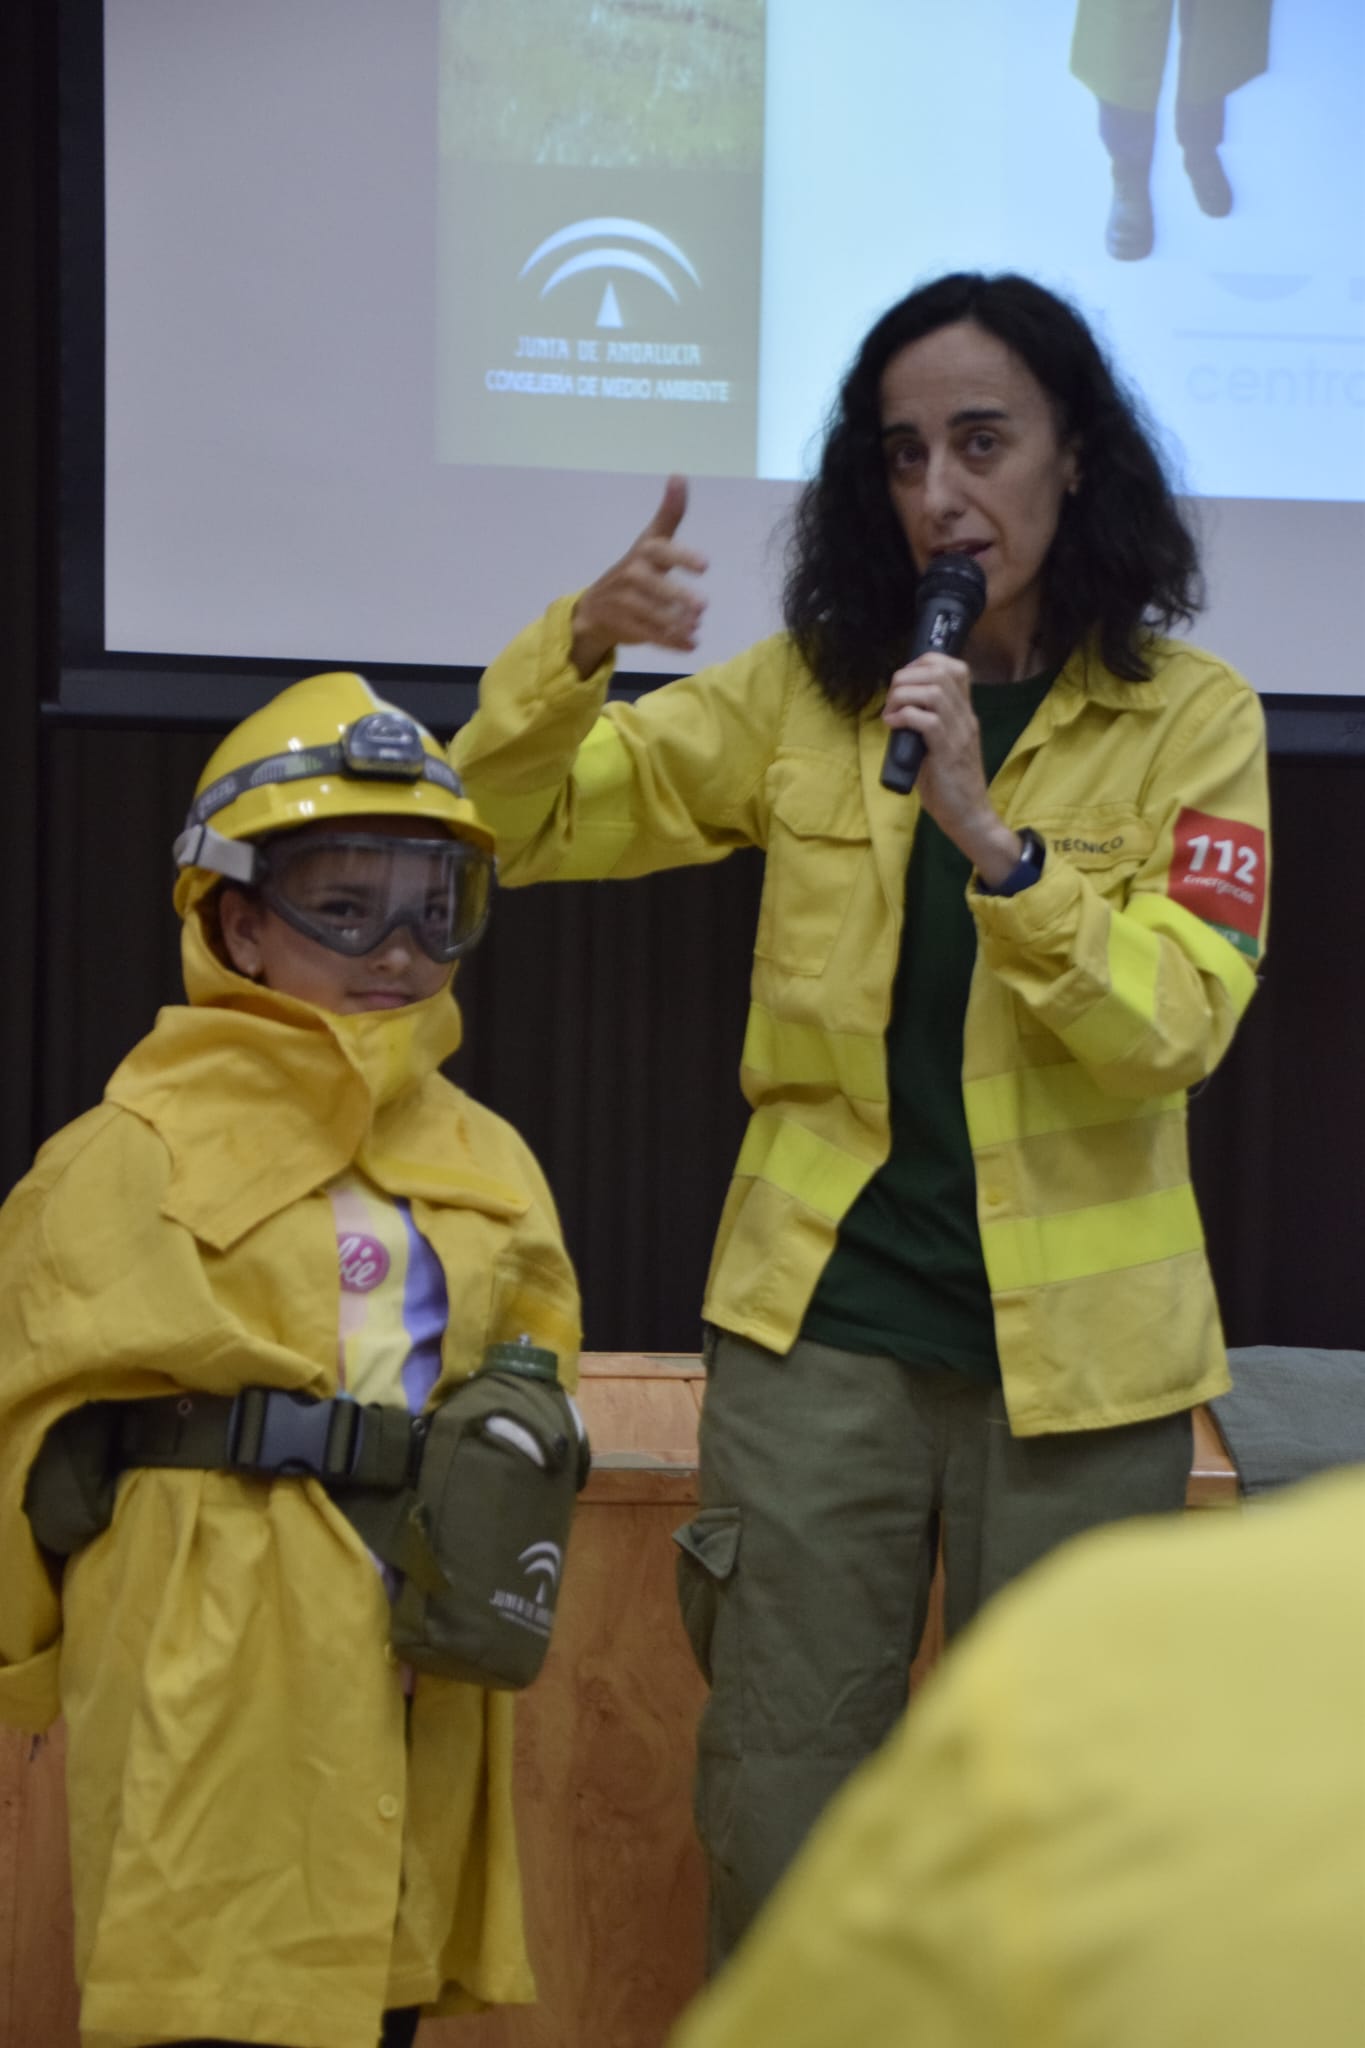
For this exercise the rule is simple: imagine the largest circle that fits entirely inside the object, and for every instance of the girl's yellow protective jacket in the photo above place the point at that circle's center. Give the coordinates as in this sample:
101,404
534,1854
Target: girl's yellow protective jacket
271,1841
1100,995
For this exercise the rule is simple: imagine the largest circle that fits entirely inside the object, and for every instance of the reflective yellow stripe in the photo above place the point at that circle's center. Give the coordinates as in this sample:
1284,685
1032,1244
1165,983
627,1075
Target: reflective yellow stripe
601,763
792,1158
1034,1100
1042,1250
1117,1021
601,829
805,1056
1209,950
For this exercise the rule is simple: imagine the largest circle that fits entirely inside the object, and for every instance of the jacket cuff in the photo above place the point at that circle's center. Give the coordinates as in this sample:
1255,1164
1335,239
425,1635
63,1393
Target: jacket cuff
534,712
1034,919
555,667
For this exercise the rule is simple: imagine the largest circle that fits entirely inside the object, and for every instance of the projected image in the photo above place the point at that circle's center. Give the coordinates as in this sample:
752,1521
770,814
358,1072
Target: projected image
599,233
664,227
403,324
1120,52
972,142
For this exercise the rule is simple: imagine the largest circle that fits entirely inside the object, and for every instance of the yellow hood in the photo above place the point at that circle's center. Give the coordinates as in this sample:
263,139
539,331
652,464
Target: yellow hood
307,1093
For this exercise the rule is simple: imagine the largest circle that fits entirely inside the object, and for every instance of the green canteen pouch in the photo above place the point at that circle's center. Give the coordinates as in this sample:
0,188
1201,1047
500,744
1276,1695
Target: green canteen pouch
504,1460
69,1497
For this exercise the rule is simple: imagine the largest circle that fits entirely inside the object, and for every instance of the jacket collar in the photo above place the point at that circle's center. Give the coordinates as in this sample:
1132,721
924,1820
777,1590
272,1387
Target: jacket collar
260,1099
1085,680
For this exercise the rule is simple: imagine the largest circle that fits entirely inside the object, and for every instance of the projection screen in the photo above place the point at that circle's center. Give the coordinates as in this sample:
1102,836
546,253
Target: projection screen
411,305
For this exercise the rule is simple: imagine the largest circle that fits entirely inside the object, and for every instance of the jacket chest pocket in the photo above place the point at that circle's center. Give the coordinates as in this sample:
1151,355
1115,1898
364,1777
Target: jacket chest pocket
818,842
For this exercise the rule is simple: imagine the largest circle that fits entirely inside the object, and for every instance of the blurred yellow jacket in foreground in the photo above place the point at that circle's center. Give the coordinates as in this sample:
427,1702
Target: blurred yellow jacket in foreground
1128,1813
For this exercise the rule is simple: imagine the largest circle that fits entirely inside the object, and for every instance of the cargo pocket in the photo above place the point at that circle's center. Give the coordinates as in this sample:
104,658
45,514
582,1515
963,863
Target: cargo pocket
708,1549
819,841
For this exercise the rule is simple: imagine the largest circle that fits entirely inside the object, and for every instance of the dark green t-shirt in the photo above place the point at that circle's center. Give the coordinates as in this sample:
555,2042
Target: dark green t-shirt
906,1277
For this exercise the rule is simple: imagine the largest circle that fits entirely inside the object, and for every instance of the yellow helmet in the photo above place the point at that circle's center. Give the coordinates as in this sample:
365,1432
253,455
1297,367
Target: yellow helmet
325,748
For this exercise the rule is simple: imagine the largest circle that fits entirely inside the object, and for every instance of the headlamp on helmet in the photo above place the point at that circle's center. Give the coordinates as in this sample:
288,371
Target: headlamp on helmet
387,745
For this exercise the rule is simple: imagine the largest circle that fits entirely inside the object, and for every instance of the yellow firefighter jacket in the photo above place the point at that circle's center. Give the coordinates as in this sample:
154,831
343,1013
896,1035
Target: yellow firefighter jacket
1129,1812
1100,994
269,1843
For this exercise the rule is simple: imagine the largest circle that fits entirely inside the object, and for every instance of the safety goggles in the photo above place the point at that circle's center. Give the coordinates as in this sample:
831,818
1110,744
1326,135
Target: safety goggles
350,890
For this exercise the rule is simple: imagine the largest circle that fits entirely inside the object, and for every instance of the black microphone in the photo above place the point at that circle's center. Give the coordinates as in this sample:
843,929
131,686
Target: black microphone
950,599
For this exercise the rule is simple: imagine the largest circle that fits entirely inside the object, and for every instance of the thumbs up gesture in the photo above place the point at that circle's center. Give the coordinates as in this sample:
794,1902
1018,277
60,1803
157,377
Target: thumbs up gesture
642,597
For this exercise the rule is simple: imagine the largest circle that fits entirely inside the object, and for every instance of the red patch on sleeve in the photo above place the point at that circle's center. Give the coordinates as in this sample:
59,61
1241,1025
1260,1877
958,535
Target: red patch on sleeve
1218,872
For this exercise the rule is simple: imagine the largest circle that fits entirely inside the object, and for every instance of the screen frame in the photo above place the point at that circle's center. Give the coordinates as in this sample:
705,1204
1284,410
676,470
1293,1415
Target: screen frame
87,684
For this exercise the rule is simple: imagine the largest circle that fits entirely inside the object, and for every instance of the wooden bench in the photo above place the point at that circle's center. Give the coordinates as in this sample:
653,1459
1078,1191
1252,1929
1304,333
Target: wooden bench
612,1872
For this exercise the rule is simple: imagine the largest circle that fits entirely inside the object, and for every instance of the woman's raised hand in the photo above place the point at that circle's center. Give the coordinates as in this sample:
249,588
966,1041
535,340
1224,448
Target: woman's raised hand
642,597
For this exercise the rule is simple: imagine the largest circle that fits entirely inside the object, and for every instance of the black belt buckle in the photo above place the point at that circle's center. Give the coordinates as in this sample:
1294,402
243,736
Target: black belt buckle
271,1431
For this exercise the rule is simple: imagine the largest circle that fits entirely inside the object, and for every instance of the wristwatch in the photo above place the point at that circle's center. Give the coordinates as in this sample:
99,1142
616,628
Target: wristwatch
1026,869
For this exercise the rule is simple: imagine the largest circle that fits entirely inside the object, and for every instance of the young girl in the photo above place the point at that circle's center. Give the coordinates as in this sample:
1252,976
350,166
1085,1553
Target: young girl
278,1833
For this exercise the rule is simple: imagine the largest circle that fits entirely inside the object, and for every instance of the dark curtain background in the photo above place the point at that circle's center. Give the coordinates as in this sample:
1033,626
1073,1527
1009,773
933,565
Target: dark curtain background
604,1021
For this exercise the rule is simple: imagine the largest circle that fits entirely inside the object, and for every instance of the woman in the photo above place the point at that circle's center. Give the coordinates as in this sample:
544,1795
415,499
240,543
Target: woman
959,1280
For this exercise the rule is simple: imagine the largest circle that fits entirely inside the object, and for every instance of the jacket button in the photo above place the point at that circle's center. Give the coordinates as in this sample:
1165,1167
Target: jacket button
388,1806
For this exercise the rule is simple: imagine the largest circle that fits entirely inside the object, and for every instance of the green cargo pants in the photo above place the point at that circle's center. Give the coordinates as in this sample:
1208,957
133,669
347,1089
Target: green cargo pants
804,1578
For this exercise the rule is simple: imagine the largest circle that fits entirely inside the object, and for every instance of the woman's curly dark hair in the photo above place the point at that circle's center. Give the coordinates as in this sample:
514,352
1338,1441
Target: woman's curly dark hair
1123,563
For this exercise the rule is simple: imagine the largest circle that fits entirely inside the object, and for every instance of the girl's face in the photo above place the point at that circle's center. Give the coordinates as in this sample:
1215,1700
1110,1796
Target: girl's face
975,464
263,946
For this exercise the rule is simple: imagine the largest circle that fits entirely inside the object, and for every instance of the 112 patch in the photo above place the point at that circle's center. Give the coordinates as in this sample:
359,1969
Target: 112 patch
1218,870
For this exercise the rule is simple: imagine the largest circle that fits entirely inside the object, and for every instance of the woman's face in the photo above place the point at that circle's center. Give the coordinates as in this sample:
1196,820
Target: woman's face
975,464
